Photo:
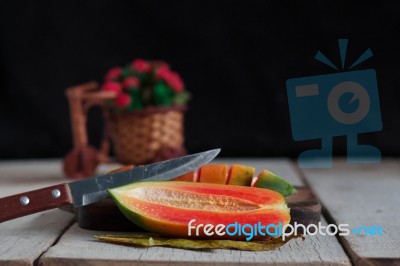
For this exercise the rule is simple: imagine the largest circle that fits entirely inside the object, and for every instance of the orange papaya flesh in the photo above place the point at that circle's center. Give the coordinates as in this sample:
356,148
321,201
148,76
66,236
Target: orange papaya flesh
166,208
191,176
213,173
240,175
269,180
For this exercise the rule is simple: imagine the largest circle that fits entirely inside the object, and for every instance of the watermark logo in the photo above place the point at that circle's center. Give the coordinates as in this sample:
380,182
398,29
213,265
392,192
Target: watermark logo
250,231
345,103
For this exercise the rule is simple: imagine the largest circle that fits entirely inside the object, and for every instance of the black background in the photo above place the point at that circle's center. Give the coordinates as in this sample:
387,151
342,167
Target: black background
234,56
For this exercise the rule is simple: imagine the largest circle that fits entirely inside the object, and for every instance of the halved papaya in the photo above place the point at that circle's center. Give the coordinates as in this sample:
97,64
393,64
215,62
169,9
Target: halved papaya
240,175
166,208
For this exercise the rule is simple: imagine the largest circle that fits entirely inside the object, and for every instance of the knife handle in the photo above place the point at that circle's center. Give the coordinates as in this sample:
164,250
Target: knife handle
22,204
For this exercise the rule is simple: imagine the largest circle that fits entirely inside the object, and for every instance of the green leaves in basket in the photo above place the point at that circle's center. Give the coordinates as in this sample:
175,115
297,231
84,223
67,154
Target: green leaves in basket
127,72
136,99
163,95
149,240
181,98
147,96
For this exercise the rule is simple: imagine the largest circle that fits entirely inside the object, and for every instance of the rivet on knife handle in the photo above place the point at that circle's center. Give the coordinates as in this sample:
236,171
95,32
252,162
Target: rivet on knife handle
34,201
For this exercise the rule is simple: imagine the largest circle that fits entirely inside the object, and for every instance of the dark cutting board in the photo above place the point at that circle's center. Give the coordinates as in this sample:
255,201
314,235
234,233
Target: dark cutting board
105,215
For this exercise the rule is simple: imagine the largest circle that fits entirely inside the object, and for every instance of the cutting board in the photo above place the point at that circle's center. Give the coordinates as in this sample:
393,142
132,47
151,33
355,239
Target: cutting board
105,215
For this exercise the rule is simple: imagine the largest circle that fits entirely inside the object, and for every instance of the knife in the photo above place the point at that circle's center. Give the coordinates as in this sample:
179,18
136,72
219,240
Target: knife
87,191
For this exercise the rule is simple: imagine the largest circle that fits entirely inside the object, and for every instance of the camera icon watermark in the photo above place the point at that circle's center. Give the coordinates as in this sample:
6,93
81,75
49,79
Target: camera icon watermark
339,104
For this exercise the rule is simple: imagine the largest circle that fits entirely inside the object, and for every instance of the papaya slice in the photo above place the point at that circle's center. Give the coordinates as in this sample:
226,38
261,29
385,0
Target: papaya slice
240,175
167,208
191,176
269,180
213,173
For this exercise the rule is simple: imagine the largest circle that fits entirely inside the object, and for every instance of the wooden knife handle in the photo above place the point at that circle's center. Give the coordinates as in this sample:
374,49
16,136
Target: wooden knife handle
22,204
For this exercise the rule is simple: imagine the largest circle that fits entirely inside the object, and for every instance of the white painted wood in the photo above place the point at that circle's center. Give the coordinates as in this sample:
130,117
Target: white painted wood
77,247
20,176
363,195
23,240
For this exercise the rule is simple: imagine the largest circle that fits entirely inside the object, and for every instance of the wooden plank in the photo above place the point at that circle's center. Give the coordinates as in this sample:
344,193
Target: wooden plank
20,176
23,240
78,247
363,195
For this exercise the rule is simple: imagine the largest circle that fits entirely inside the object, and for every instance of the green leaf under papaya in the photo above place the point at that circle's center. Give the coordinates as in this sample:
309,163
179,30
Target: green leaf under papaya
150,240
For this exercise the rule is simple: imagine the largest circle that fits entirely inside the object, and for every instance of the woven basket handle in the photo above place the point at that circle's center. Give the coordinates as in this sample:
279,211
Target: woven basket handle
81,98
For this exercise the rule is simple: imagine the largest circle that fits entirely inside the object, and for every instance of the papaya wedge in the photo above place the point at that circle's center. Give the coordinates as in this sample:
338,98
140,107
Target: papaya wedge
267,179
167,208
240,175
213,173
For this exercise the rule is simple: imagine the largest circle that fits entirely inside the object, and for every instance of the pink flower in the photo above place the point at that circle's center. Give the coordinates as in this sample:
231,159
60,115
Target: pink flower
163,72
141,65
113,73
123,100
171,78
130,82
175,82
111,86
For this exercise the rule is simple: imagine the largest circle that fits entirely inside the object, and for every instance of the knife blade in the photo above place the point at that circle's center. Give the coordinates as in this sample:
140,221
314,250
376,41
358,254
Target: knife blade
87,191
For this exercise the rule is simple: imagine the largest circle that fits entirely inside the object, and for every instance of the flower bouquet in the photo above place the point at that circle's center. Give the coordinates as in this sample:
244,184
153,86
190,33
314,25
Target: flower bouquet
145,118
144,84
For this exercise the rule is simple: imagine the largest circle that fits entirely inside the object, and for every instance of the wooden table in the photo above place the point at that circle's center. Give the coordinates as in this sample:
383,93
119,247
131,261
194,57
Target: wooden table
353,194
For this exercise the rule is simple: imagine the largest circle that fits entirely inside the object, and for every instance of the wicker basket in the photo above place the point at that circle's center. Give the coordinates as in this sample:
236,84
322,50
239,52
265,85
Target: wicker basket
138,137
146,136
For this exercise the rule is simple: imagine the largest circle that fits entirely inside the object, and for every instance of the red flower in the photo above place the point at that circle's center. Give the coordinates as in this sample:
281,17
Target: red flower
175,82
130,82
141,66
111,86
171,78
113,73
123,100
163,72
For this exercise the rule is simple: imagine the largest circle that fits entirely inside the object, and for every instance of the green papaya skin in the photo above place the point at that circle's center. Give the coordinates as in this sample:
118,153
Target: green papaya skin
269,180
